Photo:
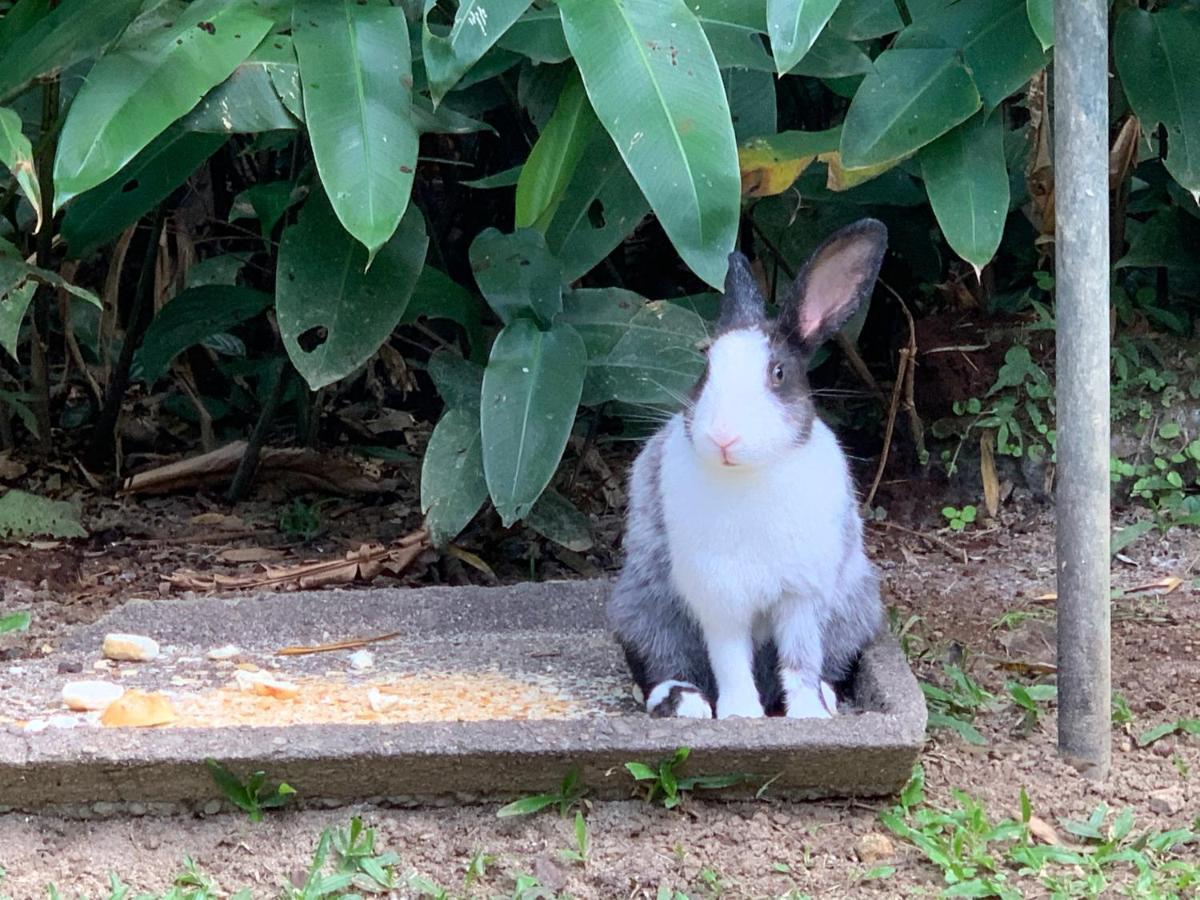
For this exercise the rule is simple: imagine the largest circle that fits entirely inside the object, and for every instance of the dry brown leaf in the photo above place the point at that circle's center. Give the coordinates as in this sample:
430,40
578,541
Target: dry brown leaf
1043,831
350,644
362,564
249,554
297,467
987,469
1164,585
11,469
218,520
137,709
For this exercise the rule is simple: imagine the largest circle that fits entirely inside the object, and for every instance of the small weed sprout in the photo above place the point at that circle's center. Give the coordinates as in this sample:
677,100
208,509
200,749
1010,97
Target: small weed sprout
569,793
249,797
958,519
664,781
578,853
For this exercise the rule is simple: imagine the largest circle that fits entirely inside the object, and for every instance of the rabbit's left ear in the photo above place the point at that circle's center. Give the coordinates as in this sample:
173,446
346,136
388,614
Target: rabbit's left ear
833,283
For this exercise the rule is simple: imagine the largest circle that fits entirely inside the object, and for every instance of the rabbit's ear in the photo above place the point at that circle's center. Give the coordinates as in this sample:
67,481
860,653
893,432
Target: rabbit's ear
833,283
742,304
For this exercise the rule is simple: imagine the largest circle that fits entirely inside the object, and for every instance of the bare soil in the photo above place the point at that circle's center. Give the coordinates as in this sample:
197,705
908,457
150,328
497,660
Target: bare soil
980,596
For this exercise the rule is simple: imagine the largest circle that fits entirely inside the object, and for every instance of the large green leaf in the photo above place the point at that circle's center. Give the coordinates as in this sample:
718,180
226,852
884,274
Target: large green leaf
531,391
654,84
478,24
752,105
913,97
553,159
333,313
967,180
438,296
555,517
357,77
861,20
190,317
458,381
793,26
21,16
517,274
17,154
600,207
248,101
1167,240
1156,56
734,29
1041,18
73,31
15,297
105,211
14,271
538,34
996,40
146,82
643,352
452,482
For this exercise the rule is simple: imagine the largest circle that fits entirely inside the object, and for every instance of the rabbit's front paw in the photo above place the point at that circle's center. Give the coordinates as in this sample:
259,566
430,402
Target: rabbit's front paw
807,703
748,706
678,699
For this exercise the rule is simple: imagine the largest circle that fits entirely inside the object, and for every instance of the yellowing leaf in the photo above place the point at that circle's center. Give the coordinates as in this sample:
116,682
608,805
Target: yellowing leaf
842,179
771,165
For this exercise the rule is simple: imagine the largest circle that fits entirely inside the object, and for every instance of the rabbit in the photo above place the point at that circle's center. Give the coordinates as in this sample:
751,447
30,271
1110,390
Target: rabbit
746,589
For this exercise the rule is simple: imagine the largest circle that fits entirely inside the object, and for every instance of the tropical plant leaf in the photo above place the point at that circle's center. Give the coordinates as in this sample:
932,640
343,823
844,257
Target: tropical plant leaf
478,24
147,81
1155,54
771,165
357,76
538,34
655,86
248,101
1041,18
17,154
438,296
531,390
600,207
639,352
555,518
794,26
75,30
752,103
554,157
966,176
333,313
15,298
517,274
190,317
105,211
452,483
913,97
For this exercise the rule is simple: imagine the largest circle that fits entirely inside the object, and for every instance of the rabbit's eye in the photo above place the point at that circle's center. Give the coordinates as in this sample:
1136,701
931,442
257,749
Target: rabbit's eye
777,374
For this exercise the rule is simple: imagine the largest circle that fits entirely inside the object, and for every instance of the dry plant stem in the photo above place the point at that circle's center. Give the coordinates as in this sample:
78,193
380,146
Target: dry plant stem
187,381
893,408
105,435
39,364
64,310
249,464
915,425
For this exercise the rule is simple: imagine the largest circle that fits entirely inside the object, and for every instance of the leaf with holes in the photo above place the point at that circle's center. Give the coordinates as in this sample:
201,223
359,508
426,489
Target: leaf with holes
517,274
600,207
478,24
75,30
15,297
452,482
1155,55
192,316
654,84
105,211
146,82
966,176
554,157
357,76
794,26
17,154
912,98
638,351
333,312
531,390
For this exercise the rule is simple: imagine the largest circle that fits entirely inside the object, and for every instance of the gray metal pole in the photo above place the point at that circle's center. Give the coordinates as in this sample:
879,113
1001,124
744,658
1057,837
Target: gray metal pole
1082,497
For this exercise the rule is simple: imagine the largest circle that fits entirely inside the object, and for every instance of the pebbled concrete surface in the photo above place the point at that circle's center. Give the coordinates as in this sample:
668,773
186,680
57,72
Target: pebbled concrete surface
549,640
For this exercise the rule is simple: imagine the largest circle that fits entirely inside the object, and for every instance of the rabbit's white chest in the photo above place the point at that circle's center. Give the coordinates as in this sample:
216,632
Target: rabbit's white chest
741,541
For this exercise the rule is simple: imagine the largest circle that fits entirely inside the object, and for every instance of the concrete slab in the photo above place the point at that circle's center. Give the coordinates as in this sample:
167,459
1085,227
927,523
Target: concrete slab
491,692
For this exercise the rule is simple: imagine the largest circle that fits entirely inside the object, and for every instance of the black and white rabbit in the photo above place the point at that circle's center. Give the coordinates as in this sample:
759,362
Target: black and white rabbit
746,588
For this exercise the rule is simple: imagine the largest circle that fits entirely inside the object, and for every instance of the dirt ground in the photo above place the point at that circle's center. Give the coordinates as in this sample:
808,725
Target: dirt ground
960,587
